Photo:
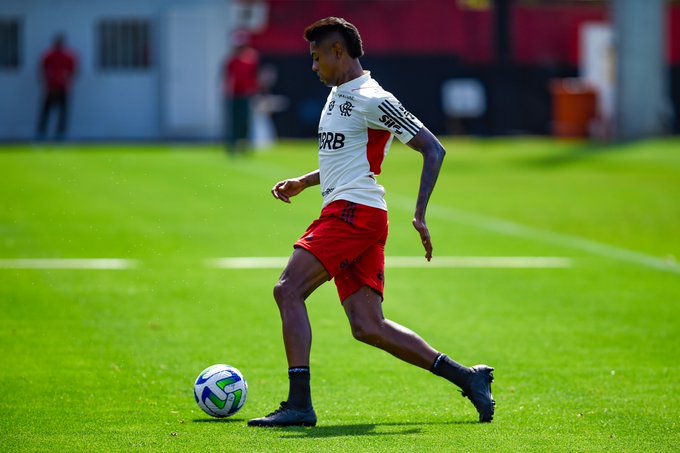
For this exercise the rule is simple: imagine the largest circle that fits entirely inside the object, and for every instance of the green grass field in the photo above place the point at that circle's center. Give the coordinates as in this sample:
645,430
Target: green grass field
586,353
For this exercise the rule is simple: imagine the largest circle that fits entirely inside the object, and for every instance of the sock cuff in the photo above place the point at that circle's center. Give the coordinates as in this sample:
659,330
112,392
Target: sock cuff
298,370
436,362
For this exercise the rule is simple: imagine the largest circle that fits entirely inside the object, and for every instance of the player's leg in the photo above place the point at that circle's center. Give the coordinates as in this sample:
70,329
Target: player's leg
364,311
241,118
44,116
62,106
360,287
302,275
227,121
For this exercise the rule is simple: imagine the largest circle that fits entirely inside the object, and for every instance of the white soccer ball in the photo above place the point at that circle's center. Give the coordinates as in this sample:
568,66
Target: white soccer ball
220,390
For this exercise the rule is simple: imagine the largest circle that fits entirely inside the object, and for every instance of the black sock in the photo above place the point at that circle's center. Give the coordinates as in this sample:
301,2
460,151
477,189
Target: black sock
299,393
449,369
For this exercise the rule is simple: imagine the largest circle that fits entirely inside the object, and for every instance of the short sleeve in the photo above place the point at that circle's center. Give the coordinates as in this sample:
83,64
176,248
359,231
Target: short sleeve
387,113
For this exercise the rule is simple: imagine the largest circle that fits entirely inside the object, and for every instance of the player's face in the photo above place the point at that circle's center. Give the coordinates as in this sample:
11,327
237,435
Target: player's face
324,61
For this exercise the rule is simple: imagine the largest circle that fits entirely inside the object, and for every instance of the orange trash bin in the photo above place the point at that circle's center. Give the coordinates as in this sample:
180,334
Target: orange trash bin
574,107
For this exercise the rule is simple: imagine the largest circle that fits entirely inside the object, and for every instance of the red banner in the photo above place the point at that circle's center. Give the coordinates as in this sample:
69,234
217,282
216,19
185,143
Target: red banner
540,34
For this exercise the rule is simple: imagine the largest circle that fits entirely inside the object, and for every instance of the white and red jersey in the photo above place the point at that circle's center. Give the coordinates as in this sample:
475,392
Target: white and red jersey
355,132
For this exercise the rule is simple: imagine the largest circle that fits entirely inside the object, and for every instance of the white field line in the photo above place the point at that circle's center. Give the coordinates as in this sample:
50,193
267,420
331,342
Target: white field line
526,232
61,263
263,262
409,262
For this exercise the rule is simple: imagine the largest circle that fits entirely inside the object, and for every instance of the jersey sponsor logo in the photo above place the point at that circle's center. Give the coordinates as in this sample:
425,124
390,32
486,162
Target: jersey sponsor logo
346,108
331,140
402,117
391,124
330,107
327,191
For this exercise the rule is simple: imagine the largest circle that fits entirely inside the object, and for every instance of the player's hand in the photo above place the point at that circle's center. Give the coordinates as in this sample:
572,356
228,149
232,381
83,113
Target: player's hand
421,227
284,190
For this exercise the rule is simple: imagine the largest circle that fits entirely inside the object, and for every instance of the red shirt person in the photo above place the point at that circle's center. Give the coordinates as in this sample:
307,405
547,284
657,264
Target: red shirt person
58,67
242,71
240,84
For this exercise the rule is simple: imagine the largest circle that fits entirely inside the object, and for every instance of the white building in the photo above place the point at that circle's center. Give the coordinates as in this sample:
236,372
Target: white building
148,69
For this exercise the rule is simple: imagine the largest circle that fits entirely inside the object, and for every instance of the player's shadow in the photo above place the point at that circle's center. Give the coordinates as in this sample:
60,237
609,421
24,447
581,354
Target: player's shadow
344,431
369,429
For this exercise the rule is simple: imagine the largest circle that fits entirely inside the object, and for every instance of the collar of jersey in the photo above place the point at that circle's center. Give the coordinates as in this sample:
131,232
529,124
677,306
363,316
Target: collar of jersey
354,82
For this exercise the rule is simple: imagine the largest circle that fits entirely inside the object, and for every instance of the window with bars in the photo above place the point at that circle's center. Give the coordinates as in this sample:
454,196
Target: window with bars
123,44
10,43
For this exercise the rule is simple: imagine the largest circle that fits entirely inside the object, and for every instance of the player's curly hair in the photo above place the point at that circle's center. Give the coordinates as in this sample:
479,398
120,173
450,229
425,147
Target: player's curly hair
320,29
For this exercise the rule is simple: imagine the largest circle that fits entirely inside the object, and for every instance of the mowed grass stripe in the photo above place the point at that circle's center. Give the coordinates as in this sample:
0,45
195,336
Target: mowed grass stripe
584,355
263,262
409,262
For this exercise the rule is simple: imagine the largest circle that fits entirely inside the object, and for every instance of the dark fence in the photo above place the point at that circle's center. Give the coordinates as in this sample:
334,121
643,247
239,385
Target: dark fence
518,97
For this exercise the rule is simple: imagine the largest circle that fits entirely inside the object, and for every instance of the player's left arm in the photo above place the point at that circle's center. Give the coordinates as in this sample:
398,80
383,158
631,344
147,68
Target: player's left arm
285,190
433,156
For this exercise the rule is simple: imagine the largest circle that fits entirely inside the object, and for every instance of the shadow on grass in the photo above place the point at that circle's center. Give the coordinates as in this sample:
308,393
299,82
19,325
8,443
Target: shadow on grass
219,420
368,429
580,152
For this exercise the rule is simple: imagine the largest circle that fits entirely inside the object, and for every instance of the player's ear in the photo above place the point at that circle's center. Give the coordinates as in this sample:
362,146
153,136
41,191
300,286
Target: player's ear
337,49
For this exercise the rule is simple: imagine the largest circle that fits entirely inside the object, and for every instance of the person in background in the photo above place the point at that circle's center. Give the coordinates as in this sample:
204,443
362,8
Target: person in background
240,85
58,67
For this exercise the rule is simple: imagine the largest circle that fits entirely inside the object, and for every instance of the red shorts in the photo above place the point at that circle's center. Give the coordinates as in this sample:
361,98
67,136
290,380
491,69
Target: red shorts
349,241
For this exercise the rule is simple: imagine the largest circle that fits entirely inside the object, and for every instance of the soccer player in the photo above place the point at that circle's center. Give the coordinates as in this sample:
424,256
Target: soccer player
347,242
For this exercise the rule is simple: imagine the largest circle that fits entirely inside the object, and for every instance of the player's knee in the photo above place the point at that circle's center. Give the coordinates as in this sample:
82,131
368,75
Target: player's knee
284,293
279,293
367,332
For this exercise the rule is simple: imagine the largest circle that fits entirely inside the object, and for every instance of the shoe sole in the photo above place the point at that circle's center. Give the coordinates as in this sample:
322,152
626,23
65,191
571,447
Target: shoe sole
286,425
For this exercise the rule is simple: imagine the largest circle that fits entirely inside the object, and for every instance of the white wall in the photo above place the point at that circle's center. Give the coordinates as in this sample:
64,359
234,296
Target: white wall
195,48
104,105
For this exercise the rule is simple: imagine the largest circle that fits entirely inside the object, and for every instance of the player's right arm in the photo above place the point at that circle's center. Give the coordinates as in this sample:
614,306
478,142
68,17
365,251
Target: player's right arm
284,190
